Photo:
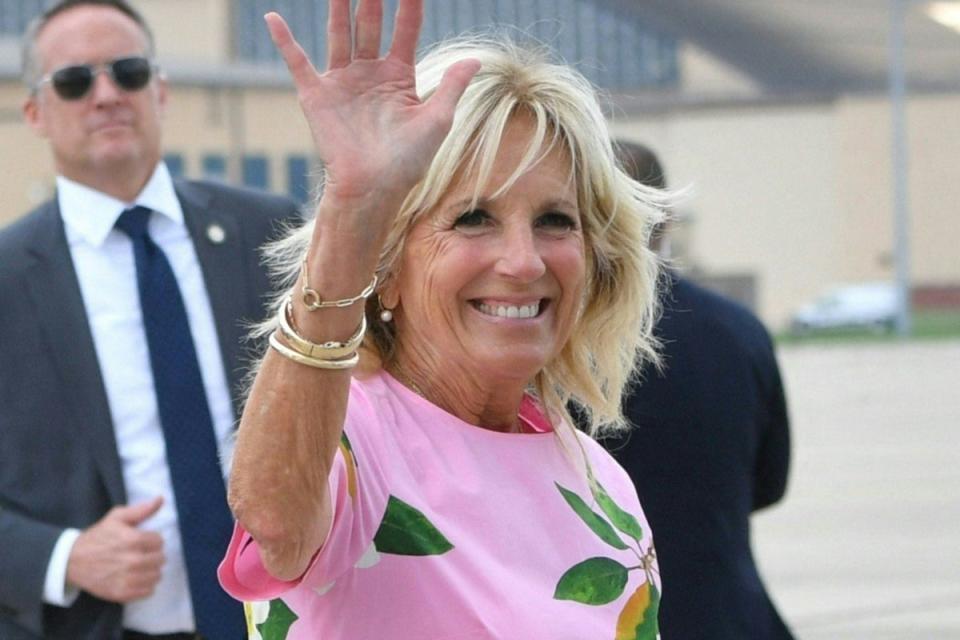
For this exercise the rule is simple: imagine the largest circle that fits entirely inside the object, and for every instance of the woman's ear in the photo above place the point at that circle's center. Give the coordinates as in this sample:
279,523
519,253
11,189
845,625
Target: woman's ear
389,293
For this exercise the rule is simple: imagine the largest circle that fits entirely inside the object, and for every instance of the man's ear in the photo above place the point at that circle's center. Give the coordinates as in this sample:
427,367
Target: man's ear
162,89
32,116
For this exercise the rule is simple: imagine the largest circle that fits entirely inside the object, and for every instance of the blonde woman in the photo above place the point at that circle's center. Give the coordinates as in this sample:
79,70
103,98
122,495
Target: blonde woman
405,466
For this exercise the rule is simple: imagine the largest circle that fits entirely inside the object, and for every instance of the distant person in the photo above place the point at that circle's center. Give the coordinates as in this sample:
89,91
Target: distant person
119,353
710,446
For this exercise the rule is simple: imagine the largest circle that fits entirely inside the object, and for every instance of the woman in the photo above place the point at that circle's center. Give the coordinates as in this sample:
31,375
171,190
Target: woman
439,490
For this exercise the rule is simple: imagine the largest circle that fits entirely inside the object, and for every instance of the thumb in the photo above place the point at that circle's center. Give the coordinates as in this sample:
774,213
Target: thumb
135,514
454,82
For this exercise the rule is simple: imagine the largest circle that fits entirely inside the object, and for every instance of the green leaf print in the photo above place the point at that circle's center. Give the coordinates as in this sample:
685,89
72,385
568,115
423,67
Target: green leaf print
595,581
405,531
345,441
596,523
620,518
278,622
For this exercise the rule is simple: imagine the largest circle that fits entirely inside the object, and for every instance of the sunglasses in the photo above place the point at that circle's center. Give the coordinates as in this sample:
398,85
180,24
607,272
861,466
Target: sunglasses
73,82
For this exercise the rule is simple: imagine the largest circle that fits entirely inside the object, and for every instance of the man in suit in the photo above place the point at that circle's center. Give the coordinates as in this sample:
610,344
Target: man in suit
710,446
120,353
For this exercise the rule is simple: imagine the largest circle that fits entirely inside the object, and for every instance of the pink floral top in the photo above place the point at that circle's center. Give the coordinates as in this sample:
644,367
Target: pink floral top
442,530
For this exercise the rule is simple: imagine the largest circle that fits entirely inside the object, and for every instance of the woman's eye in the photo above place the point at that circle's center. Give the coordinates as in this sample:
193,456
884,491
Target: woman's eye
557,221
475,218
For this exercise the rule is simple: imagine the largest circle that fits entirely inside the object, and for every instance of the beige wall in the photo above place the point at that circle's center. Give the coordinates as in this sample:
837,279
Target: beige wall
189,31
801,196
762,195
236,123
704,74
25,177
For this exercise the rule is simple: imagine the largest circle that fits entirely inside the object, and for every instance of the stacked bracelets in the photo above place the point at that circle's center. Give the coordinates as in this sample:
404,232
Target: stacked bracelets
327,355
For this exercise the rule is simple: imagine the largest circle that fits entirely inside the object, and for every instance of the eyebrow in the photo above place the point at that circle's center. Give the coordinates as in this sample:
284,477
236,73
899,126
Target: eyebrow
559,203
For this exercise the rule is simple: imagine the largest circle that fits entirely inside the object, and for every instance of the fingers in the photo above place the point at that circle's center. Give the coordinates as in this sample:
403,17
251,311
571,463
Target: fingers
148,542
139,581
339,44
301,70
406,33
147,561
455,80
369,25
136,514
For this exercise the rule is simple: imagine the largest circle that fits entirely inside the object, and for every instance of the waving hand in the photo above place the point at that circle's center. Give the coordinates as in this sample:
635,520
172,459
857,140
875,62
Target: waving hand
369,127
376,139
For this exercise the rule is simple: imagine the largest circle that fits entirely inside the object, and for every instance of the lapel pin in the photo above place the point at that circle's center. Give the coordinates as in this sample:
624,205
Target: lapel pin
216,234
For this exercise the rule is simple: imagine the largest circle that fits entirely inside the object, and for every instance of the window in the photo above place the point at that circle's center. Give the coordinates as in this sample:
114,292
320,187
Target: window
256,172
214,167
298,178
175,164
612,47
15,15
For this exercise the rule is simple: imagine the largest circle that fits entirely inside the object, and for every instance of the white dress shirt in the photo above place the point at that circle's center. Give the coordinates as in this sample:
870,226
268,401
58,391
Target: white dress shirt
104,261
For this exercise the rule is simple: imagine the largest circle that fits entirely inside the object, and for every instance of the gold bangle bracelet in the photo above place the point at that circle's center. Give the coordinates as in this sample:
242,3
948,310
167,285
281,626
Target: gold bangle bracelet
331,350
313,301
316,363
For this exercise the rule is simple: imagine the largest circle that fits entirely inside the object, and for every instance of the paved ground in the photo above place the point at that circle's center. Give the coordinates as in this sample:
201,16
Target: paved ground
867,542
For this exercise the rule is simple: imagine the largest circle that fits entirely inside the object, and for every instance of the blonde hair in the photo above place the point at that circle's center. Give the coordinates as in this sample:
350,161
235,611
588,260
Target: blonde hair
614,333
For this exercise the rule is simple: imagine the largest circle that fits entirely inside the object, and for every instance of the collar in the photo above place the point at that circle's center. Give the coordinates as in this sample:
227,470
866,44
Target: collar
91,214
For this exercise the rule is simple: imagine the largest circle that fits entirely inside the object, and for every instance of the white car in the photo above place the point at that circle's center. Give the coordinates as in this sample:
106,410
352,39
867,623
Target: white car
871,305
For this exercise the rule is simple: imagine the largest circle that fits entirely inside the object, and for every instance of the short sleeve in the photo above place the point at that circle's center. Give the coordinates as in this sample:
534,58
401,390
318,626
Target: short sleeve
358,498
242,573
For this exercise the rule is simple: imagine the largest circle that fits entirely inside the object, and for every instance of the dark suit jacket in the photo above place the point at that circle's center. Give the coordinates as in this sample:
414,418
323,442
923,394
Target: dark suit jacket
59,465
710,445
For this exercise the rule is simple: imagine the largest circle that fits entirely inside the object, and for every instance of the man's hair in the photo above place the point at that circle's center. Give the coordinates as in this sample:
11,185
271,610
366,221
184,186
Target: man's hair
640,163
31,65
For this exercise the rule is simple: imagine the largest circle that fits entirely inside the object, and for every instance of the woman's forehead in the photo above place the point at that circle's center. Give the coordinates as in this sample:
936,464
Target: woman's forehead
517,155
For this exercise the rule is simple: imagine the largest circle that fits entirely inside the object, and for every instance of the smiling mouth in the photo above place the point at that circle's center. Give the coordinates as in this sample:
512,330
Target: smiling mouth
511,311
109,126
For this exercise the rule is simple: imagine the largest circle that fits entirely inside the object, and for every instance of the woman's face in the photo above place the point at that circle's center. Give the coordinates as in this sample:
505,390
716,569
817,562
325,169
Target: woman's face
495,290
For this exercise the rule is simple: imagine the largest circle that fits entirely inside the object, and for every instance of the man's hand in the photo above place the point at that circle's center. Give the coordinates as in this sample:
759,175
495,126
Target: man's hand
116,561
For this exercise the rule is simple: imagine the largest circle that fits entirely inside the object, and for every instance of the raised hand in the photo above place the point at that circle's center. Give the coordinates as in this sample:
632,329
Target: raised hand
116,561
370,129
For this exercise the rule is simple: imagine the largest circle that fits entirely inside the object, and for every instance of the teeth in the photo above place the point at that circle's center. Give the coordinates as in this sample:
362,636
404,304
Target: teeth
510,311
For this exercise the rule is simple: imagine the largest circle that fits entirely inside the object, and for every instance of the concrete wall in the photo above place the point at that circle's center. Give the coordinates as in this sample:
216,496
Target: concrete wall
189,31
801,197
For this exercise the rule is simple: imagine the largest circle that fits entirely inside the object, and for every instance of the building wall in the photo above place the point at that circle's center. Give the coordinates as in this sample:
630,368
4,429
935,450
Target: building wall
25,178
190,31
761,195
800,195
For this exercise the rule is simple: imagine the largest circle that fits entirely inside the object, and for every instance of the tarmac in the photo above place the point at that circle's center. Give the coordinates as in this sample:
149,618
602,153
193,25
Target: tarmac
866,544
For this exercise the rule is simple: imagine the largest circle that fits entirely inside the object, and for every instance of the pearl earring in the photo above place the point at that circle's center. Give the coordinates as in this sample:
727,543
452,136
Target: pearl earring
386,315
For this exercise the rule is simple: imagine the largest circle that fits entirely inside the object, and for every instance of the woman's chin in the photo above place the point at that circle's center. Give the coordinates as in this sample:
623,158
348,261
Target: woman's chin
511,365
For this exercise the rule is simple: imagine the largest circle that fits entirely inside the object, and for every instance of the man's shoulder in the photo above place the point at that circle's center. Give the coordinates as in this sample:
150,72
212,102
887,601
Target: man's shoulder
22,232
717,310
240,199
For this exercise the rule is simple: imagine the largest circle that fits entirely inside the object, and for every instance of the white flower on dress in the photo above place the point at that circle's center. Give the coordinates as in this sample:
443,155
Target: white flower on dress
256,613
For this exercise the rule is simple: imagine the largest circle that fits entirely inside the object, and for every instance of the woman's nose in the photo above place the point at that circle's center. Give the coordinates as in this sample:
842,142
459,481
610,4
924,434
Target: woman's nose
520,255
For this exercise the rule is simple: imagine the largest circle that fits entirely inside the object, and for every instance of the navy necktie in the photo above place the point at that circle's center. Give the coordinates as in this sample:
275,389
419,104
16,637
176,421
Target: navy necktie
202,512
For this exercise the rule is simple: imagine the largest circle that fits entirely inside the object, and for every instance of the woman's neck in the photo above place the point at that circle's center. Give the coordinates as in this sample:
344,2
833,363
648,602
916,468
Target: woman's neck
482,402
